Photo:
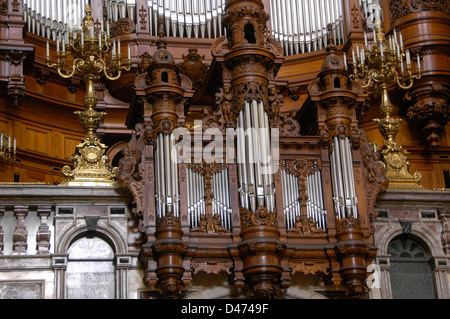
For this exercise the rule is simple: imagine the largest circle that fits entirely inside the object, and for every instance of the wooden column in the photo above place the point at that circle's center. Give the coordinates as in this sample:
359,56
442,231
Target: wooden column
422,25
248,61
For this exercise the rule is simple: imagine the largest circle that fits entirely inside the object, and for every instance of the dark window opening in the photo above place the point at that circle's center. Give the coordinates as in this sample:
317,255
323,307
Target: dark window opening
164,77
249,33
337,83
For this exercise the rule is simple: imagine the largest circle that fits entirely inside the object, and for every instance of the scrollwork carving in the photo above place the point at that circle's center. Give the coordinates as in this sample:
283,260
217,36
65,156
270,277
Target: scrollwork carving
122,26
401,8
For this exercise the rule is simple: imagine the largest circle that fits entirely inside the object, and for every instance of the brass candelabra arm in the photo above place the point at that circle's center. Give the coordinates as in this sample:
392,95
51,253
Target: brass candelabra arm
116,68
403,82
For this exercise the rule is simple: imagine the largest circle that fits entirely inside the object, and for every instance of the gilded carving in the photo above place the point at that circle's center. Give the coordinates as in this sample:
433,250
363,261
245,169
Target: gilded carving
212,267
310,267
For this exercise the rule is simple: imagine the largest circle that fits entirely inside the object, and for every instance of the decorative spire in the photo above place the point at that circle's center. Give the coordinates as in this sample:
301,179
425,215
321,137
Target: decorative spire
88,20
161,42
331,44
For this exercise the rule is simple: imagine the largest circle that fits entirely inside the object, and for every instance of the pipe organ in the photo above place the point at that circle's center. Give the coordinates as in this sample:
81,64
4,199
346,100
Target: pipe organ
189,18
291,198
120,9
315,204
221,200
211,197
239,216
167,188
299,25
344,194
195,197
48,18
254,158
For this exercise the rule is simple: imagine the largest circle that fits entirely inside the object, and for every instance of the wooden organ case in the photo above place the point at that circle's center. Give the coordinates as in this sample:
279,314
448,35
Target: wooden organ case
283,203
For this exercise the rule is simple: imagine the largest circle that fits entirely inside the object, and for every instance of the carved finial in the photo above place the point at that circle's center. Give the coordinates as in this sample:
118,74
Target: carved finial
330,34
88,9
161,42
87,20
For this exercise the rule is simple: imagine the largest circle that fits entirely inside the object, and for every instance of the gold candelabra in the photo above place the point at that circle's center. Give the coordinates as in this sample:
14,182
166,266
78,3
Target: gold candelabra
7,151
381,65
89,46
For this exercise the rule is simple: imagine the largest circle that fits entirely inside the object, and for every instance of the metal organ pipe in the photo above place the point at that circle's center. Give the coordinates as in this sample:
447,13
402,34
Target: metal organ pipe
254,157
167,191
344,192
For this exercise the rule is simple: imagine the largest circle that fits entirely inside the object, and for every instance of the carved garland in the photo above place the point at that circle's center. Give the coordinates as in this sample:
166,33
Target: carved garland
401,8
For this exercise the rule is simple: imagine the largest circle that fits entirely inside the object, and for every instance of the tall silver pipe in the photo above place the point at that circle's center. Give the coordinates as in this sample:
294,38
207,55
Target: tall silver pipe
339,176
334,182
250,158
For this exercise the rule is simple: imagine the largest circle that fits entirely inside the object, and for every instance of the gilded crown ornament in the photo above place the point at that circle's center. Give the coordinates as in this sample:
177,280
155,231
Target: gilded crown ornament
381,65
89,47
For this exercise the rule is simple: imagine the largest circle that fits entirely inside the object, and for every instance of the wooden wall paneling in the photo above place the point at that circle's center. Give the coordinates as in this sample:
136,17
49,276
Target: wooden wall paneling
36,139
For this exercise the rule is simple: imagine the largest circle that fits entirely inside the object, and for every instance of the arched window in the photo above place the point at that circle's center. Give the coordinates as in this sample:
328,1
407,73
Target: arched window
164,77
90,269
337,83
410,271
249,33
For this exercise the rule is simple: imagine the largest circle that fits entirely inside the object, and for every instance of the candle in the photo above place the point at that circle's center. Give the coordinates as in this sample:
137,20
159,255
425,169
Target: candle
57,45
363,56
402,66
381,51
103,30
401,40
418,61
48,49
353,56
365,38
9,141
374,36
100,40
408,58
395,35
107,28
114,48
357,51
129,52
64,45
14,145
118,47
345,60
82,37
1,139
92,32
